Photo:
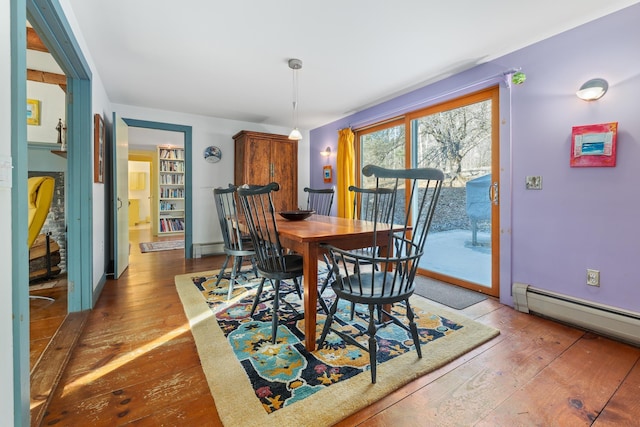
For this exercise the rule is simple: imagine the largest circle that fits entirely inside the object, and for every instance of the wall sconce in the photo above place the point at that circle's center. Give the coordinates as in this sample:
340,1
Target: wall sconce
593,89
326,152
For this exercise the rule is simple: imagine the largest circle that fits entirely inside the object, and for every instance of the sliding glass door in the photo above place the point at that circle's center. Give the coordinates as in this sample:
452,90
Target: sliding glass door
459,137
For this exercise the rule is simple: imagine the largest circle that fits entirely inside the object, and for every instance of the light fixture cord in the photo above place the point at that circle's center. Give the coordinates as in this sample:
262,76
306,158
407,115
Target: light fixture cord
295,98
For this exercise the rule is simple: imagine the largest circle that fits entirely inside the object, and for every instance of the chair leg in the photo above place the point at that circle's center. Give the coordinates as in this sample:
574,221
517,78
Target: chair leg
254,267
274,314
237,266
325,283
353,310
414,329
373,345
221,272
256,300
298,287
328,321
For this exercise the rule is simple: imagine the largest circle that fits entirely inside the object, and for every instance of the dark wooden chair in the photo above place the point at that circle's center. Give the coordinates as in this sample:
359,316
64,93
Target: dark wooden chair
236,245
369,204
271,259
393,281
320,200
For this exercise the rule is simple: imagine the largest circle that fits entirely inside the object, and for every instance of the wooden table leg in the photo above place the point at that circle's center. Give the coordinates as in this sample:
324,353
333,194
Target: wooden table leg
310,255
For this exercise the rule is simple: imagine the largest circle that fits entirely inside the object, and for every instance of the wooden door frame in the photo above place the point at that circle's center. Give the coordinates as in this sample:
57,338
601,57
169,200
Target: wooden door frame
490,93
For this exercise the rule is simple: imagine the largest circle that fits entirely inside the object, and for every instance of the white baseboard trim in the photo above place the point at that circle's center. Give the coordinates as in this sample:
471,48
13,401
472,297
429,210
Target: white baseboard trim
204,249
609,321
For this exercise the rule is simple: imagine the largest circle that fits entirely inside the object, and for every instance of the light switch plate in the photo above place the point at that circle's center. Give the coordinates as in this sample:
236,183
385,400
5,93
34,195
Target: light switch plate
534,182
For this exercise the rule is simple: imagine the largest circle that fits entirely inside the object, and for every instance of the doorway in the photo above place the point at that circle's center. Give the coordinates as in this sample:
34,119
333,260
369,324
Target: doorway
140,191
147,135
48,19
47,157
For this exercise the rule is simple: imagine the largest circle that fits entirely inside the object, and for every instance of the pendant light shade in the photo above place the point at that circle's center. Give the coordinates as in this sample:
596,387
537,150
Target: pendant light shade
295,65
295,135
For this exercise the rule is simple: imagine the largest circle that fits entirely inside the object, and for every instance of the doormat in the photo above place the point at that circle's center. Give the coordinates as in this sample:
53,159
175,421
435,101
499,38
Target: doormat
444,293
164,245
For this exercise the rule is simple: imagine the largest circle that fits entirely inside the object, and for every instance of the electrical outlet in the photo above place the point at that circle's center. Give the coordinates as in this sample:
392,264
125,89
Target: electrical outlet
593,277
533,183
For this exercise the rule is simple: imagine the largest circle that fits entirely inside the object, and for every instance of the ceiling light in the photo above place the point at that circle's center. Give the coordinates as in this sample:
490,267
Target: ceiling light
295,65
593,89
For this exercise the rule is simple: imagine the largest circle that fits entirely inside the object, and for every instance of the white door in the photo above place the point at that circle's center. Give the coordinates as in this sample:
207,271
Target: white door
120,173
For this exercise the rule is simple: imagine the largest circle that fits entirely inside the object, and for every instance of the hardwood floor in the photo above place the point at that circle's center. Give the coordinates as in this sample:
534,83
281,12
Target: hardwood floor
45,316
136,365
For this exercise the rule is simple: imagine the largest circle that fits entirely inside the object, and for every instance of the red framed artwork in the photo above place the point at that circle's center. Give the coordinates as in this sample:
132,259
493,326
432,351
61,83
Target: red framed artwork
594,145
327,174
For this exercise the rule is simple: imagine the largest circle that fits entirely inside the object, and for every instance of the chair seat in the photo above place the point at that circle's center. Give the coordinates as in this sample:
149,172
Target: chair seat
247,248
293,267
368,291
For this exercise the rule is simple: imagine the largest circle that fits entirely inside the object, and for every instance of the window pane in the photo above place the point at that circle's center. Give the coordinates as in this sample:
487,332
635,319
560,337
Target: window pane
457,142
385,148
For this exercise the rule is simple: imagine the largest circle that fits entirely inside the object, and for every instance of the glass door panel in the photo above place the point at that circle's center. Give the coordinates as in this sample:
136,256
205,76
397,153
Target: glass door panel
458,138
382,146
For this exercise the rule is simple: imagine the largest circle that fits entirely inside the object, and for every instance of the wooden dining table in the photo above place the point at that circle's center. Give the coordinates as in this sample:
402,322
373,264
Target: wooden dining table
306,238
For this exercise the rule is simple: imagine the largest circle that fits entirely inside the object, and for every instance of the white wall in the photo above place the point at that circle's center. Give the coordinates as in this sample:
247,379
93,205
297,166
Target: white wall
52,107
6,335
206,176
100,105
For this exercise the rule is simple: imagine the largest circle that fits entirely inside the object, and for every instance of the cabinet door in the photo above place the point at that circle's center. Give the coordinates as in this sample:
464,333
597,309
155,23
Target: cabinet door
284,159
256,162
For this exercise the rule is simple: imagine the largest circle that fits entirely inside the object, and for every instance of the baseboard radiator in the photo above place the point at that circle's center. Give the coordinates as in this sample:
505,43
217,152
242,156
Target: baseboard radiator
203,249
605,320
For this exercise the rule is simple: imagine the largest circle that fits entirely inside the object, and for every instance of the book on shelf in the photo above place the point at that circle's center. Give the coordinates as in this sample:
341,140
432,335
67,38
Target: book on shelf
171,224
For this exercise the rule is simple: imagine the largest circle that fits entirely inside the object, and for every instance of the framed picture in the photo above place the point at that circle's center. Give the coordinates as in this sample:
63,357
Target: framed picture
328,174
33,112
98,148
594,145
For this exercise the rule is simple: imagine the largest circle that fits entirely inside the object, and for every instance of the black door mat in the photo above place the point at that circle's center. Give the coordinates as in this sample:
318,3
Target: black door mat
444,293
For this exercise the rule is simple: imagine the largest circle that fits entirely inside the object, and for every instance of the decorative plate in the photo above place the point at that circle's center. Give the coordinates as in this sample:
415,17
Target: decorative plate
296,215
212,154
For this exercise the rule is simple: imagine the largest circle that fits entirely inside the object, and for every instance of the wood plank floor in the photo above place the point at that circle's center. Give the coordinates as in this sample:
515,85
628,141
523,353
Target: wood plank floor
136,364
45,316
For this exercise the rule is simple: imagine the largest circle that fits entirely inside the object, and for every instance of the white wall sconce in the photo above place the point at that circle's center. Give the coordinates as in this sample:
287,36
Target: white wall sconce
593,89
326,152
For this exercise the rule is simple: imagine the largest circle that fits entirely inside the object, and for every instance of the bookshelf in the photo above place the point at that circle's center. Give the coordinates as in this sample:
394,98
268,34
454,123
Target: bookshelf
170,189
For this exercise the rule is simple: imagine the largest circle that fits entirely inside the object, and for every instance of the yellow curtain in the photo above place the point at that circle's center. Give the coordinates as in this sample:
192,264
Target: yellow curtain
346,172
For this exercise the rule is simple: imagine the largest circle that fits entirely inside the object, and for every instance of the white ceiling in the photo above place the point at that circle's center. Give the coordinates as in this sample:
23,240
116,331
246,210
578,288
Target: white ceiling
228,59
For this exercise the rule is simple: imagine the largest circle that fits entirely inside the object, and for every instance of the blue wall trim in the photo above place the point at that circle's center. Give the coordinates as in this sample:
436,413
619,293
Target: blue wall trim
20,252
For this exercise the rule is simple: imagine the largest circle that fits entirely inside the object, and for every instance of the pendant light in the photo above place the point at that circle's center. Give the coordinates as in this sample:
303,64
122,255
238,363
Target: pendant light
295,65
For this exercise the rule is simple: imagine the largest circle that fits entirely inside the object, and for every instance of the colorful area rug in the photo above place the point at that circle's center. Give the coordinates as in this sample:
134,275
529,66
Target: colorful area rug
257,383
164,245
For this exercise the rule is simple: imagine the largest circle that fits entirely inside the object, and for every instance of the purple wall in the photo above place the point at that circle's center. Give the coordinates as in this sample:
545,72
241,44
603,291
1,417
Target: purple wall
583,217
